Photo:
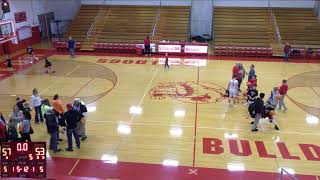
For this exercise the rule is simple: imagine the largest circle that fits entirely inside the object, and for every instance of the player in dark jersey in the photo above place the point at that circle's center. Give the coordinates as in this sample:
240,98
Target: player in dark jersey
270,114
30,51
166,62
32,56
48,66
9,64
252,94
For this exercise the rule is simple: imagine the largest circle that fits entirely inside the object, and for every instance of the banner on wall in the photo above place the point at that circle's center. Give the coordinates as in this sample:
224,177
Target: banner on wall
20,16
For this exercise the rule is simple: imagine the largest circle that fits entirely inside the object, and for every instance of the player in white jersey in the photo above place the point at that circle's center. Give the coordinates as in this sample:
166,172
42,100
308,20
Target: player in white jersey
233,89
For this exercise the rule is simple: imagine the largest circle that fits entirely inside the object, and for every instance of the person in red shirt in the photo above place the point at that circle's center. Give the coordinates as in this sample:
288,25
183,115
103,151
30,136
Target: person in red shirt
3,132
147,46
235,70
283,91
253,81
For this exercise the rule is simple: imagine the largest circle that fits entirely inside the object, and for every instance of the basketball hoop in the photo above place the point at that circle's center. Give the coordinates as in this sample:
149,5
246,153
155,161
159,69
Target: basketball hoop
7,32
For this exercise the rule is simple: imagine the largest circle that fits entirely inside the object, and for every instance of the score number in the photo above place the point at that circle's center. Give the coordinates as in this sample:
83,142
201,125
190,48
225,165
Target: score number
6,152
40,154
24,169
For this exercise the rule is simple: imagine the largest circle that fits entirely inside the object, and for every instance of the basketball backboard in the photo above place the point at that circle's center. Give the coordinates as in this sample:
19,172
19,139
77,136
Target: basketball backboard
7,32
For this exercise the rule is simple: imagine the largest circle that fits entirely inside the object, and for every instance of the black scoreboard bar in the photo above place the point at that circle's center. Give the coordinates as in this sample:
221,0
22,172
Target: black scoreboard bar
23,159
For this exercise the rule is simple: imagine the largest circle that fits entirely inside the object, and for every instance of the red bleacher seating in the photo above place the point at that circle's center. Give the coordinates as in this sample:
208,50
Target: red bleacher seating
298,52
243,51
63,46
115,47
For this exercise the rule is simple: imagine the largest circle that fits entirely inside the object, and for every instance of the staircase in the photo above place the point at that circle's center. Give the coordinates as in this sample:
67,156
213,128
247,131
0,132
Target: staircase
95,29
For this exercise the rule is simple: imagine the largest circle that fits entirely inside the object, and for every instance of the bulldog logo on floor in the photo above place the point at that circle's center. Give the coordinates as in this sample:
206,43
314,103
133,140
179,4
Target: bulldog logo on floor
189,92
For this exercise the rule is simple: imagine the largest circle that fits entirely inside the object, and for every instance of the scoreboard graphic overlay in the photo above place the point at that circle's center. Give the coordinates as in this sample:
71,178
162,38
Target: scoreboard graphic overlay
23,159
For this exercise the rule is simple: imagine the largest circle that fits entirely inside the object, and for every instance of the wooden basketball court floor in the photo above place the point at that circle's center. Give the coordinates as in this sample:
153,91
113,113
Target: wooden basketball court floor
146,122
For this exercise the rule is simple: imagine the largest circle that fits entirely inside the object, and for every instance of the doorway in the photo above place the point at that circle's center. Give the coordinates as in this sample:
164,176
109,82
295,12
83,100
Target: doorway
45,24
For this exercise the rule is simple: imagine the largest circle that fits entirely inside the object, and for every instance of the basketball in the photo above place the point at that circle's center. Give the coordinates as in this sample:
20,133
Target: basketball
272,113
278,97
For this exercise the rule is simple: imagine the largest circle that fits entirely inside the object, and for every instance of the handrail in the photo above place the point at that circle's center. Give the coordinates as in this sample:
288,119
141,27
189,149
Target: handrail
155,25
283,170
94,24
190,18
274,23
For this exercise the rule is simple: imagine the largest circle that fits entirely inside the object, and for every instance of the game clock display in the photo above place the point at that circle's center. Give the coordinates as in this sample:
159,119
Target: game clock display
24,160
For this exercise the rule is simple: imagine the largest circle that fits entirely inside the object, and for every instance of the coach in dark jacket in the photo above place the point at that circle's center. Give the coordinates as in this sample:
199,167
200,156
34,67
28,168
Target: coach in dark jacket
259,111
53,128
72,118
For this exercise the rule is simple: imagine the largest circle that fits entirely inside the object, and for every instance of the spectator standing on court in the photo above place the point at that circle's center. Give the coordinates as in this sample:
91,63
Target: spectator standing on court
235,69
12,131
72,117
81,125
3,132
57,105
2,118
16,114
147,46
259,111
19,103
25,127
36,101
283,91
71,46
53,129
286,51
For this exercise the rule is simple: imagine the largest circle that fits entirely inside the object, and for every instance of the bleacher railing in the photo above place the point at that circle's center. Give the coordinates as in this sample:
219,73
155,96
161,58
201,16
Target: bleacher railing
156,23
92,32
274,24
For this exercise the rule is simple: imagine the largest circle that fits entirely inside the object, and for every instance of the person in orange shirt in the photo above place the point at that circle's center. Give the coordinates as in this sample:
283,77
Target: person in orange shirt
57,105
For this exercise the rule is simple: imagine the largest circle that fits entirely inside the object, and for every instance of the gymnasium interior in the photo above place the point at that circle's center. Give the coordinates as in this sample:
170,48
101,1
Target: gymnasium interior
145,121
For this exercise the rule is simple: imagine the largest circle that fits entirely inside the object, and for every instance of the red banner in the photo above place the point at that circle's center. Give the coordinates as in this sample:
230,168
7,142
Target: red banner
20,16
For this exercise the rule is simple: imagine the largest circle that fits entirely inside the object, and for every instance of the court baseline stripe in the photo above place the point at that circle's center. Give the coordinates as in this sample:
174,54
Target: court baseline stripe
195,123
74,166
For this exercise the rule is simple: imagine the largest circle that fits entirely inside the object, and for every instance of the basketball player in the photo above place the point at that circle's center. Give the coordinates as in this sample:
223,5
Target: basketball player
32,57
269,113
233,89
259,111
252,94
48,66
9,64
30,51
166,62
274,97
